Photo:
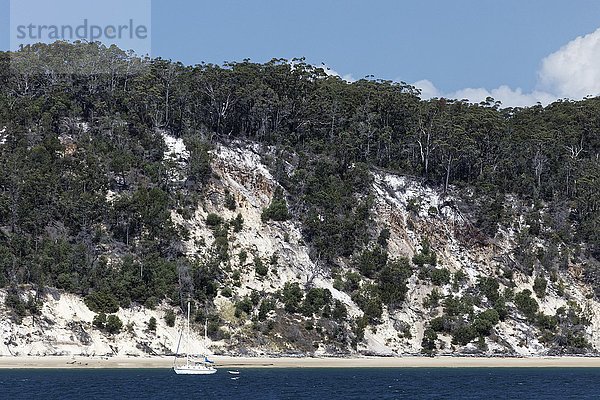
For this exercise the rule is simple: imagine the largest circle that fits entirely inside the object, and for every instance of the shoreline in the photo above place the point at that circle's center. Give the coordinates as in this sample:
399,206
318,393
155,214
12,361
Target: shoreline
223,362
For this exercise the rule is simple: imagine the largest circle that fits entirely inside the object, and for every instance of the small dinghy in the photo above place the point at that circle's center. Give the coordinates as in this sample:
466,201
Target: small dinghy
233,372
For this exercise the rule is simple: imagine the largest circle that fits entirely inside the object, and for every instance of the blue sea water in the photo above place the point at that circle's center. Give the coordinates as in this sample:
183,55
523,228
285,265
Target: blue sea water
376,383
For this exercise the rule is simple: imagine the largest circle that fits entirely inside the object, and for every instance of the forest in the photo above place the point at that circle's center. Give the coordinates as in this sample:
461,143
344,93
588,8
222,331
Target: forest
81,121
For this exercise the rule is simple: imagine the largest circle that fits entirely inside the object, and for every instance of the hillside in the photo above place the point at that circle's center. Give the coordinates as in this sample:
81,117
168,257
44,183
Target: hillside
301,214
65,323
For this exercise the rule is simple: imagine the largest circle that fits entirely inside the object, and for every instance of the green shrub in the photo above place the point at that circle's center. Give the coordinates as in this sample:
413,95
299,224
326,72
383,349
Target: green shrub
315,301
113,324
151,302
547,322
441,324
266,306
489,287
152,324
229,200
373,309
292,297
170,318
213,220
481,344
238,223
428,343
501,308
509,294
243,256
14,302
367,298
464,335
200,169
255,297
539,286
226,292
221,247
392,281
414,205
458,306
243,306
236,277
577,342
274,259
277,210
102,302
371,261
440,276
457,279
485,321
358,328
384,236
433,298
352,282
33,306
404,330
526,304
65,281
99,320
340,312
260,267
491,213
426,256
338,283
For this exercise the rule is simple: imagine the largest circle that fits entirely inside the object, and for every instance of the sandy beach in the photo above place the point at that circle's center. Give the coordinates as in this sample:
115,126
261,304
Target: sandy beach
56,362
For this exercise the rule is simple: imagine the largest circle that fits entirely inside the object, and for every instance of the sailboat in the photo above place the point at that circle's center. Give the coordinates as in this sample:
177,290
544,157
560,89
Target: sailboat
193,365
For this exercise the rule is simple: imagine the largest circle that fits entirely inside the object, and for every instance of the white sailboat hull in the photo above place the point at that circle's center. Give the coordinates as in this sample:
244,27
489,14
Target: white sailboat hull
193,366
194,370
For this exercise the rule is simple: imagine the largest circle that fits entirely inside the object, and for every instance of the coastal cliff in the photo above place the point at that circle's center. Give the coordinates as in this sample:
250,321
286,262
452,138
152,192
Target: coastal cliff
412,213
298,214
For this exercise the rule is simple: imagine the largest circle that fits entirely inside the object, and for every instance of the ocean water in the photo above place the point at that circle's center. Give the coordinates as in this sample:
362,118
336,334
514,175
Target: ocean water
314,384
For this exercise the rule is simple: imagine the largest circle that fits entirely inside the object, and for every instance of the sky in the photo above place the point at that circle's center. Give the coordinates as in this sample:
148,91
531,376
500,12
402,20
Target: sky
518,51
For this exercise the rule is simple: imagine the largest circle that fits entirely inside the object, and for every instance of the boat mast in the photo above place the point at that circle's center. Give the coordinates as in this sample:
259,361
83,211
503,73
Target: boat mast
205,342
187,350
178,344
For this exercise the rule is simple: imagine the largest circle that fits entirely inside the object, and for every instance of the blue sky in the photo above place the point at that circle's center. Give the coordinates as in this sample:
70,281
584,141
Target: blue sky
451,44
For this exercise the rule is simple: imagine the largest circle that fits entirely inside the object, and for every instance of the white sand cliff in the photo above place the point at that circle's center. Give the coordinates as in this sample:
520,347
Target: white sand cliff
65,324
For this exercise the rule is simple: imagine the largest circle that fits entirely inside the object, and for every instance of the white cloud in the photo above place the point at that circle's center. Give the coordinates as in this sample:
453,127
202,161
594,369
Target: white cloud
571,72
574,70
508,96
428,89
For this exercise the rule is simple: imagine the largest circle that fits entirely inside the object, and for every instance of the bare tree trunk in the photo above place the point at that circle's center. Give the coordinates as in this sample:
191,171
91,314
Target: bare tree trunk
425,146
448,167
